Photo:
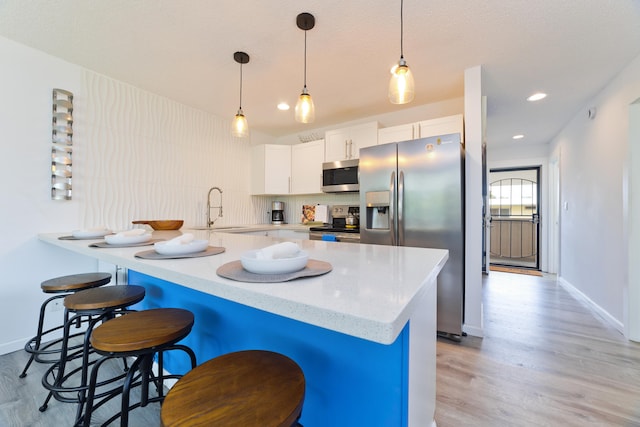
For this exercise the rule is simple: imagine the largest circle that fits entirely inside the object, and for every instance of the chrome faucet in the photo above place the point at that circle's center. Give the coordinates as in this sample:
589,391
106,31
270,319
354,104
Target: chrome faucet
209,207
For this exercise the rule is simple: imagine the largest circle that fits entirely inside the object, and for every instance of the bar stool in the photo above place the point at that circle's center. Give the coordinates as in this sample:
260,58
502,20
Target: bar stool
252,388
142,335
61,287
89,306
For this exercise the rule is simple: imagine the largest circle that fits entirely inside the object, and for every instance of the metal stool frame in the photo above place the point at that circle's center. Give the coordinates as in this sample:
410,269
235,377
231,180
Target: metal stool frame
34,345
140,374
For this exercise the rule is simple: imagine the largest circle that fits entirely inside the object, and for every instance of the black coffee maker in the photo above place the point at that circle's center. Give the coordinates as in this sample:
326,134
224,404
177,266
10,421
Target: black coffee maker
277,213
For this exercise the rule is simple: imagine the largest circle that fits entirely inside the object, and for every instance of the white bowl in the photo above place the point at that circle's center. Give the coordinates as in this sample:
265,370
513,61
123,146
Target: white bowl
115,239
273,266
181,249
92,233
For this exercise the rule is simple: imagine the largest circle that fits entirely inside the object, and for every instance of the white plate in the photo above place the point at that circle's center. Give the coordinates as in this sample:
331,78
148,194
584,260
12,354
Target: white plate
181,249
91,233
115,239
273,266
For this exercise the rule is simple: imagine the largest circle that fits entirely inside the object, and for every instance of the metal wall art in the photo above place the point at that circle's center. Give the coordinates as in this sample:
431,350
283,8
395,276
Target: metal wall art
62,145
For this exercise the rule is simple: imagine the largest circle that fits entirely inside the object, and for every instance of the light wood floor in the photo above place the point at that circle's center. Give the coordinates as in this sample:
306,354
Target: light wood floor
20,398
545,360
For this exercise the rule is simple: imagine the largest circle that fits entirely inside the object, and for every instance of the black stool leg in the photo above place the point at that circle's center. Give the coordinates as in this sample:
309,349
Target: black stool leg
85,420
37,340
126,388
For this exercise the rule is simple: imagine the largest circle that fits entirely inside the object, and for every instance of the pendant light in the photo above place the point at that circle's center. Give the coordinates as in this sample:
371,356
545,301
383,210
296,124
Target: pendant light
240,127
305,110
401,86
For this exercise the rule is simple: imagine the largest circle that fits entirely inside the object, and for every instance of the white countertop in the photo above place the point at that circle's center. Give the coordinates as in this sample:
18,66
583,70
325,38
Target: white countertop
371,292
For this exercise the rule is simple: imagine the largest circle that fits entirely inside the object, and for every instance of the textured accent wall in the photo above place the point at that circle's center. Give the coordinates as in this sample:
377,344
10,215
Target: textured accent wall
142,156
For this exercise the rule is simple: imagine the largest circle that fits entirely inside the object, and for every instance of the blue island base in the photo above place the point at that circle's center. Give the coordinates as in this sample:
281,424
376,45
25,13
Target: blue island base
349,381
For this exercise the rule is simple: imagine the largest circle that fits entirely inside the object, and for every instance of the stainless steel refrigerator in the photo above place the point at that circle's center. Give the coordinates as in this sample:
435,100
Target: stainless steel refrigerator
412,194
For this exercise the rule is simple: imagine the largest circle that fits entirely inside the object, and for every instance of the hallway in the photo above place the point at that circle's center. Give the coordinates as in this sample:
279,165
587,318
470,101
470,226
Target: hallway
545,360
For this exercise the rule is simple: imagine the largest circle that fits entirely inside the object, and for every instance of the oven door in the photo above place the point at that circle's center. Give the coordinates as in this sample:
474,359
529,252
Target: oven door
335,236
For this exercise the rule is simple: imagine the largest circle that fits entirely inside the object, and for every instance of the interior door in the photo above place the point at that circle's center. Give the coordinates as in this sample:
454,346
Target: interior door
514,202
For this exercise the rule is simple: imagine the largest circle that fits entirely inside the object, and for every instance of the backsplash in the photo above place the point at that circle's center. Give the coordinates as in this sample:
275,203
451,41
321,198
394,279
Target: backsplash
293,204
142,156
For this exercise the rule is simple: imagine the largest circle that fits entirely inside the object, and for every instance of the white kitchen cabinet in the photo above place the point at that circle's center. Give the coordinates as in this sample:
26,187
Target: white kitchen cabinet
423,129
396,133
270,169
294,234
306,167
345,144
441,126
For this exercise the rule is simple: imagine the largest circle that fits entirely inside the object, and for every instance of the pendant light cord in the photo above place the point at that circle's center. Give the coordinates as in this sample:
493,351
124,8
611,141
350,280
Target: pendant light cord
305,58
240,86
401,30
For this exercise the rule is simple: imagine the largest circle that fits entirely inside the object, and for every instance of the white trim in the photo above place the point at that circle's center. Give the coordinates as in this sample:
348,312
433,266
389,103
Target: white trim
599,311
473,331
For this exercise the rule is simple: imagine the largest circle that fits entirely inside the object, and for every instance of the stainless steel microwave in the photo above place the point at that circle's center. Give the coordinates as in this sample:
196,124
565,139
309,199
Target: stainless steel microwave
340,176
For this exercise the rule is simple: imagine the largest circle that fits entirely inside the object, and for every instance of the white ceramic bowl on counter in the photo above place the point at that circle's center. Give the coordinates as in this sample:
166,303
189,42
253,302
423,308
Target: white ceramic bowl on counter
91,233
118,239
165,248
273,266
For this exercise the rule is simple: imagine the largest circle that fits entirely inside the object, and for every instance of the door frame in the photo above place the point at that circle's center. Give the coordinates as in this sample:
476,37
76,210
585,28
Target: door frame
545,213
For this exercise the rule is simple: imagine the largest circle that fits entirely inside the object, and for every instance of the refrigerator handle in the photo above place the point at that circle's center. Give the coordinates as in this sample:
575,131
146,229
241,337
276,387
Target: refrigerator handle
401,208
392,213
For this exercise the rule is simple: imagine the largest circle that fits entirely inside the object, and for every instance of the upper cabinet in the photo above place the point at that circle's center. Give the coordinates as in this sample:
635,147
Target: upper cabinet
306,167
270,169
345,144
441,126
423,129
287,169
396,133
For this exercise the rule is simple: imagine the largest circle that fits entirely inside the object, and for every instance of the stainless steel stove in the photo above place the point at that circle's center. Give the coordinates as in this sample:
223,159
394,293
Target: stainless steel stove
339,230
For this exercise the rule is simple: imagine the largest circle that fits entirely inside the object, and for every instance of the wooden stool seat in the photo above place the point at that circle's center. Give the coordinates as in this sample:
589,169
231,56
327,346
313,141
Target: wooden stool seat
75,282
108,297
247,388
141,334
142,330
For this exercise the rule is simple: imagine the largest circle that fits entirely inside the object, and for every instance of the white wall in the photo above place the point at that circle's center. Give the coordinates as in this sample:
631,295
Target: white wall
136,156
593,158
632,328
473,130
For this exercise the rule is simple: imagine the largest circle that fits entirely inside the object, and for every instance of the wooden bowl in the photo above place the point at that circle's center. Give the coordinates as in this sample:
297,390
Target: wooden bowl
164,224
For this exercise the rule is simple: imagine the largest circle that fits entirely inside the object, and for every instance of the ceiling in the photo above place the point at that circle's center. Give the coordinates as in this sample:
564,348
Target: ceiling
184,50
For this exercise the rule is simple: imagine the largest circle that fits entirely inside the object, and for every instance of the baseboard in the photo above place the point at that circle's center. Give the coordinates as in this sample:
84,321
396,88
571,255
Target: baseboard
474,331
10,347
599,311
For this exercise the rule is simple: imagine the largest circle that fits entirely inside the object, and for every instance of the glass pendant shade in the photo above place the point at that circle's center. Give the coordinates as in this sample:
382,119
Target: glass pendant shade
401,85
305,110
240,127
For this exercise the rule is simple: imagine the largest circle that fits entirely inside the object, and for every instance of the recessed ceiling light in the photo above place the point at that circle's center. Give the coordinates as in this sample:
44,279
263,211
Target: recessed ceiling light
518,136
283,106
537,96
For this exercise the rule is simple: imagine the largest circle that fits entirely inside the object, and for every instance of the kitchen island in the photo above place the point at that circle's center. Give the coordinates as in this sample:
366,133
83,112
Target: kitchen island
364,333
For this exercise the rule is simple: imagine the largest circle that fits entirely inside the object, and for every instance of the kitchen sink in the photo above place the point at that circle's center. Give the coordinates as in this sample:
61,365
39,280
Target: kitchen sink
230,227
